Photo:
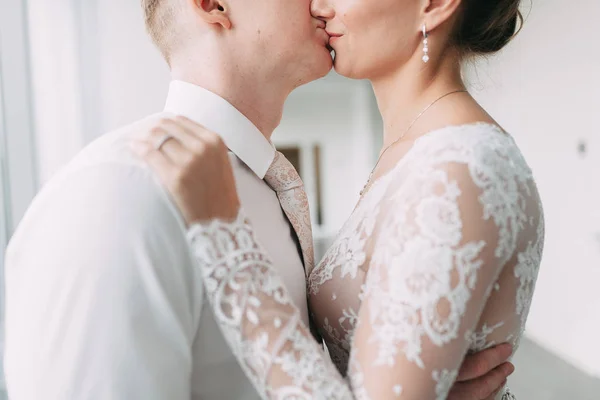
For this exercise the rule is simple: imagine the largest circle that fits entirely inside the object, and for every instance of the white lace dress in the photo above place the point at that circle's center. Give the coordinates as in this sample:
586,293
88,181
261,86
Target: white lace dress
439,258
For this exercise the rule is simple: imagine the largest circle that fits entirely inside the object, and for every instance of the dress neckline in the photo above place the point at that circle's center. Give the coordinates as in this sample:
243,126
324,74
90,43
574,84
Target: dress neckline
423,138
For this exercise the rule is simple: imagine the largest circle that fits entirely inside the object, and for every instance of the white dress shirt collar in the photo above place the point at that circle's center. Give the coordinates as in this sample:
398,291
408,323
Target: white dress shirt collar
240,135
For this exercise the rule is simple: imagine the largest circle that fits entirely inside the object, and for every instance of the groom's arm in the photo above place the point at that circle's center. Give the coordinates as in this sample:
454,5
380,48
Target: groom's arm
100,294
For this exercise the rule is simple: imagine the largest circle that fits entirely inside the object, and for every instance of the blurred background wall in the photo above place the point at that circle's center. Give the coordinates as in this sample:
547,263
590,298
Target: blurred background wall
75,69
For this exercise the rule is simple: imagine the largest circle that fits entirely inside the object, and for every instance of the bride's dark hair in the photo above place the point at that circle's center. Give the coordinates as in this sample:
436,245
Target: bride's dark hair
486,26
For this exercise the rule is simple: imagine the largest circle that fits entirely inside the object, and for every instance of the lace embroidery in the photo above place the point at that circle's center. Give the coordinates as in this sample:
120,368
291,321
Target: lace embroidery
526,271
433,239
444,381
478,340
418,238
347,252
507,395
257,318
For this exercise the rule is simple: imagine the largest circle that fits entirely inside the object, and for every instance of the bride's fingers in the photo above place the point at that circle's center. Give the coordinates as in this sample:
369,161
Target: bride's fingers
192,127
199,131
168,140
160,164
180,131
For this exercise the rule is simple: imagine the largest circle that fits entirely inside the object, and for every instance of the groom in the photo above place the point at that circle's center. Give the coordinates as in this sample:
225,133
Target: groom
103,299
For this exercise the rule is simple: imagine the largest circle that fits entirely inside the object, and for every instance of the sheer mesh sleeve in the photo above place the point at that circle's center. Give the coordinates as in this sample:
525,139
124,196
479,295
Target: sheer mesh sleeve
257,317
440,246
446,229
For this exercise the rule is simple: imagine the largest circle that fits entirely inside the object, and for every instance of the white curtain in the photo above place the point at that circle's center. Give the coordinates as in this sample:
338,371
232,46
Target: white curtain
18,174
3,241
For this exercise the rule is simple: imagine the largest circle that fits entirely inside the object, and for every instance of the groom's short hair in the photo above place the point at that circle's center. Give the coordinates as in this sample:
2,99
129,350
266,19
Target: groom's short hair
159,16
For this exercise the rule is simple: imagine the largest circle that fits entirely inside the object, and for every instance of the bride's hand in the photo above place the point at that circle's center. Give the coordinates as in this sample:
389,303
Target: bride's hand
192,163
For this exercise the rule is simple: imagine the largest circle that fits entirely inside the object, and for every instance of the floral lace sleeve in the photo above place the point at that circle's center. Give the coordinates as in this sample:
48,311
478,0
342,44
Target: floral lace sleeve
443,236
435,258
257,317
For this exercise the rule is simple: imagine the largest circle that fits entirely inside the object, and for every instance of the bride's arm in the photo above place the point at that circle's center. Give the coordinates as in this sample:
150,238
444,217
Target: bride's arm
258,318
440,246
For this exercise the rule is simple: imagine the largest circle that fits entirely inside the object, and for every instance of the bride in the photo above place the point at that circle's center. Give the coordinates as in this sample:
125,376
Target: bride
441,254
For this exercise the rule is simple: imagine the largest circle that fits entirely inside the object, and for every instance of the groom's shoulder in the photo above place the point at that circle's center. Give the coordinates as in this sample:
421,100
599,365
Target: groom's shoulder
111,178
111,153
113,147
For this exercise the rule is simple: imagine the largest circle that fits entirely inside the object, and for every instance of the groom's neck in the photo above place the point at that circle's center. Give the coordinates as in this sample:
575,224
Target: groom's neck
260,100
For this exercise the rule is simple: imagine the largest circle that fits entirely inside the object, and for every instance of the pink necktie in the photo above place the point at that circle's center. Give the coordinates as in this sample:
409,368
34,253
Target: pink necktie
285,181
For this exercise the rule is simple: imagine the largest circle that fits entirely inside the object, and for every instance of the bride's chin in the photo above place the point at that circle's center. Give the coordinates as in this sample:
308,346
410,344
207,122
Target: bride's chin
345,69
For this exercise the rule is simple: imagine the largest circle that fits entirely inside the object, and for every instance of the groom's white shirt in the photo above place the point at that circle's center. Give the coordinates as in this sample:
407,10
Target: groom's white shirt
103,298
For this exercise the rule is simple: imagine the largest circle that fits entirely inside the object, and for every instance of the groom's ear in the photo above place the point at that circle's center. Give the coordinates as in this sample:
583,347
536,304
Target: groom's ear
437,12
212,12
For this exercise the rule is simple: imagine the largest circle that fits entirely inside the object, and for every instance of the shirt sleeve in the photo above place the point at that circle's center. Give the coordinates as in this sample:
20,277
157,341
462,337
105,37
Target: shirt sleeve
101,292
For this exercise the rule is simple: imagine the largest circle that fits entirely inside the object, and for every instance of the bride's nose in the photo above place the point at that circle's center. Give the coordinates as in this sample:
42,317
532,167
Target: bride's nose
322,9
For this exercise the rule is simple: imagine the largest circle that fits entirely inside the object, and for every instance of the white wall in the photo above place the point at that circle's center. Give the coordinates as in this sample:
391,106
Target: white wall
544,89
333,113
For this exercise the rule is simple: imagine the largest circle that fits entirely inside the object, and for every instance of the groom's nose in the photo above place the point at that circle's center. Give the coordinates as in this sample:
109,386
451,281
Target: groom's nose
322,9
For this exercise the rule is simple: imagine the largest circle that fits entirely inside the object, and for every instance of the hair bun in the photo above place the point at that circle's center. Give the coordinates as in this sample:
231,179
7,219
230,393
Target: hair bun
488,26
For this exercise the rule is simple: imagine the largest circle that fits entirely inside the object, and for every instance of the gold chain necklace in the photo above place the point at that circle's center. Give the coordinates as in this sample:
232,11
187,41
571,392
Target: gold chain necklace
404,134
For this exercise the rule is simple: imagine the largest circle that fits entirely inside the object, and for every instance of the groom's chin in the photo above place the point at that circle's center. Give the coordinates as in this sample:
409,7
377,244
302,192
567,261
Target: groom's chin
312,66
329,63
326,63
317,71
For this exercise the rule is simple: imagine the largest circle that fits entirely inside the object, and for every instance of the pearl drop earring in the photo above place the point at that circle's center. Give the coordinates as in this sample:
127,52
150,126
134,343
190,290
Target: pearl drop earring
425,45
